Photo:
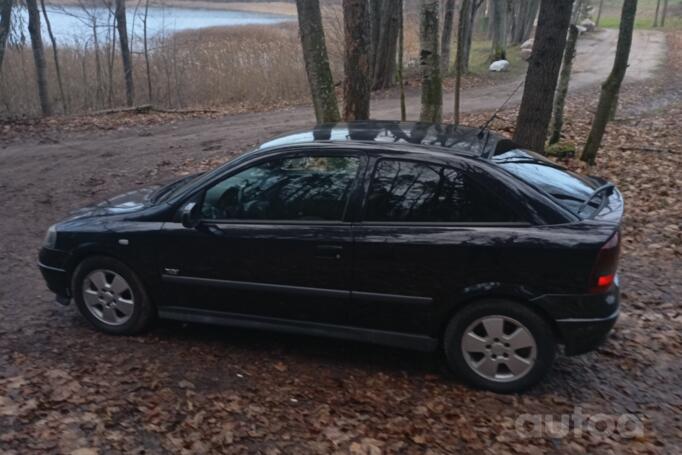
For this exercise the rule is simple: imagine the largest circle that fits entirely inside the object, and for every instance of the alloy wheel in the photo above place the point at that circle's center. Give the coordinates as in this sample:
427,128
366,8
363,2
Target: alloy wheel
499,348
108,297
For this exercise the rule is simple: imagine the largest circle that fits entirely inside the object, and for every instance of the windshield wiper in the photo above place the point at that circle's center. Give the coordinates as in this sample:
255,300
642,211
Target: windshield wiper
601,189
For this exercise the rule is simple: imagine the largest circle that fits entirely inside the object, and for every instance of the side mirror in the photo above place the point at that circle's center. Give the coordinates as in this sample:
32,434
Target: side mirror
189,215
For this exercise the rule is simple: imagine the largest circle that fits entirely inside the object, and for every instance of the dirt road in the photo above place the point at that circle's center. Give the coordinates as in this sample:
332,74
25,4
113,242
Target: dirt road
64,387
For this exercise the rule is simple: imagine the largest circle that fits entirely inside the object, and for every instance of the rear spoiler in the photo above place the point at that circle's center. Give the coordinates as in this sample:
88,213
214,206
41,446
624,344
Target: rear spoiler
612,208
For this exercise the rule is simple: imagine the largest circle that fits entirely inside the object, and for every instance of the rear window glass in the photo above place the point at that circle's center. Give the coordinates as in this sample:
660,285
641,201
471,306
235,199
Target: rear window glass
568,189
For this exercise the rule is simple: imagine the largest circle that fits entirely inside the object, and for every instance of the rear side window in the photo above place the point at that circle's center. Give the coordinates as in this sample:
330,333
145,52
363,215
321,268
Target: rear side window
567,188
407,191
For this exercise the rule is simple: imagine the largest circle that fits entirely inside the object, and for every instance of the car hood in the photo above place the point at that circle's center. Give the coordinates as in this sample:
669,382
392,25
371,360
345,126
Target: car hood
130,202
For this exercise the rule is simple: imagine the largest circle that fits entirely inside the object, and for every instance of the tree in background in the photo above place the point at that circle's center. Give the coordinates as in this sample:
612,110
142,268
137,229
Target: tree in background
55,54
467,33
601,5
317,61
384,25
522,22
543,72
562,87
462,28
429,62
664,12
356,84
611,87
401,52
125,51
5,26
38,55
499,30
446,36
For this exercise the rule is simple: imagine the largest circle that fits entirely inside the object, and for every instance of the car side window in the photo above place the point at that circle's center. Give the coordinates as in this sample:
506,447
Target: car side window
408,191
312,188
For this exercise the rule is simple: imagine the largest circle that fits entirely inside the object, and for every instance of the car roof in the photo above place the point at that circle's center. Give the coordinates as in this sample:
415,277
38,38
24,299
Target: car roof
455,139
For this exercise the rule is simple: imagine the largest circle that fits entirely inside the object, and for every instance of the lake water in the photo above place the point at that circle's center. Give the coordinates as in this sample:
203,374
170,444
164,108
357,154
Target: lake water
72,23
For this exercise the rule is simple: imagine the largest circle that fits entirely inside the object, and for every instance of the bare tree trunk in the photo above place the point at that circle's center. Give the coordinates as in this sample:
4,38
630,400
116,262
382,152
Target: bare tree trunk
432,88
401,51
542,75
356,84
146,52
65,102
664,13
384,50
468,34
38,55
529,20
317,61
499,30
98,65
658,7
5,26
462,26
601,5
562,87
611,87
125,51
446,36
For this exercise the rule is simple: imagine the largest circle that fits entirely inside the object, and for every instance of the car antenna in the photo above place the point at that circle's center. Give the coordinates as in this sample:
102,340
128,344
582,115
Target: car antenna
492,117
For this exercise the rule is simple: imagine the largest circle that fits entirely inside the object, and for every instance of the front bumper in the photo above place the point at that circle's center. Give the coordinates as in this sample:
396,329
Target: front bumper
583,321
52,264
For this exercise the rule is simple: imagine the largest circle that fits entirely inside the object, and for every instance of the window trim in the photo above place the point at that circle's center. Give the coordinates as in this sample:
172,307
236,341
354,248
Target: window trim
283,155
370,180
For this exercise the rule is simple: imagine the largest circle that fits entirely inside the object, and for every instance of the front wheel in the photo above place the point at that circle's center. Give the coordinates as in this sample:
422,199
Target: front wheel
499,345
111,296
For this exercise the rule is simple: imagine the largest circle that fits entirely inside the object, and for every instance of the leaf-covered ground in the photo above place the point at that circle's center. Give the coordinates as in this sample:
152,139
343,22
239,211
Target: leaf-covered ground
192,389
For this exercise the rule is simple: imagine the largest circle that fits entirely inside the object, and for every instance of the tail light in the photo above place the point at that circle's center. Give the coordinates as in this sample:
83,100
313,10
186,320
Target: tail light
604,270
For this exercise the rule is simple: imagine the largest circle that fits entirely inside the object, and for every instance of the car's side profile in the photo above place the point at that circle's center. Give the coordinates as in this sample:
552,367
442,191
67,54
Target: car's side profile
405,234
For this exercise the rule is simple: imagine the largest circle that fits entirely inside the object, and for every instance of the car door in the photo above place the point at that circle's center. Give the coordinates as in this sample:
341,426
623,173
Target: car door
273,241
424,232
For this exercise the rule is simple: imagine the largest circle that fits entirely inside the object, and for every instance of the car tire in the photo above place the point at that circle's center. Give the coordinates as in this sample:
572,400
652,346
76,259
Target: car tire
499,345
111,296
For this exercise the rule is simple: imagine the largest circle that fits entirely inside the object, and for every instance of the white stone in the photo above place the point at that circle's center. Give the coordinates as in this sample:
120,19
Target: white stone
588,24
500,65
525,54
581,29
528,44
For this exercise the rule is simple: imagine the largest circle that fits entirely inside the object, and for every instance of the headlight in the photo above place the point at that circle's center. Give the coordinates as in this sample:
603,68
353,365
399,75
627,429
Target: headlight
50,237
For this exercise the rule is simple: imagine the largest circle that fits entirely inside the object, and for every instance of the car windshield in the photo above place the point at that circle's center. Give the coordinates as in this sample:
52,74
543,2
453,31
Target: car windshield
568,189
174,187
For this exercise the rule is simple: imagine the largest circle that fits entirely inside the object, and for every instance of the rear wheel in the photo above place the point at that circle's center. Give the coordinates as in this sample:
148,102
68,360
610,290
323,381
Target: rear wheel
499,345
110,296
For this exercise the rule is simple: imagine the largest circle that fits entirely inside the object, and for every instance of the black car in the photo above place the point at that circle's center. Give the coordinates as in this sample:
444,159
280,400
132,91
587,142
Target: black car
405,234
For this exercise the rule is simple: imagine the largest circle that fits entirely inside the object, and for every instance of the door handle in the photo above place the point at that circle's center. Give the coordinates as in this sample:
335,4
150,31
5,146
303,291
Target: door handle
329,251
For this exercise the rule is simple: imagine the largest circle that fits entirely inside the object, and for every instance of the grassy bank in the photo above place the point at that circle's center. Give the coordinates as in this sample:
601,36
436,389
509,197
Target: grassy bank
646,10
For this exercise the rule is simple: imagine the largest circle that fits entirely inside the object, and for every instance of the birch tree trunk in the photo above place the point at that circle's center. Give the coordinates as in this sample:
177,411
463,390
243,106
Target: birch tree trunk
543,72
432,89
55,54
356,84
611,87
446,36
125,51
499,30
463,25
38,55
316,61
386,14
562,87
146,52
5,26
